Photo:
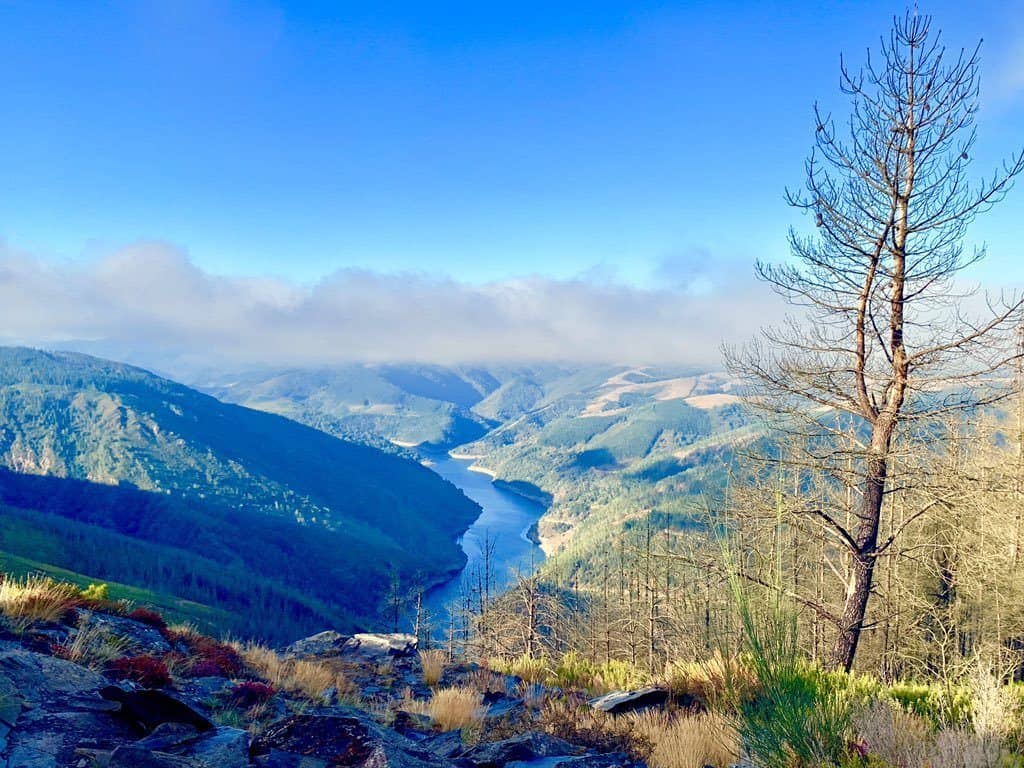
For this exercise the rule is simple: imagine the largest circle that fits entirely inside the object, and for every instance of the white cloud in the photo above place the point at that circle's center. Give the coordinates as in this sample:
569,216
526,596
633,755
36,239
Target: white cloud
150,304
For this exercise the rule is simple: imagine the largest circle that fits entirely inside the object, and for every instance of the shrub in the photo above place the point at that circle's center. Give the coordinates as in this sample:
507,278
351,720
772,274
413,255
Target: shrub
939,705
573,671
215,658
453,708
150,617
147,671
37,599
205,656
249,694
433,665
711,682
531,669
900,738
794,720
615,675
97,593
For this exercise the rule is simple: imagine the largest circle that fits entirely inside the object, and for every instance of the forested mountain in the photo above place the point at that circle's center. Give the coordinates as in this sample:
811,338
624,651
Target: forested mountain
443,406
602,445
120,475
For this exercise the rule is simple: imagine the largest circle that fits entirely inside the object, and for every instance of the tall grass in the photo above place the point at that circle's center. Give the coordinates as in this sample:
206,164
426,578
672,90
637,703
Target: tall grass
454,708
433,664
307,678
36,598
694,741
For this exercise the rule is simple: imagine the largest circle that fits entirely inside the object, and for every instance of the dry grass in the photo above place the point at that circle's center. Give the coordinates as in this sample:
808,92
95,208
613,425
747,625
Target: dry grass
902,739
452,708
433,664
298,676
711,681
691,741
36,599
93,645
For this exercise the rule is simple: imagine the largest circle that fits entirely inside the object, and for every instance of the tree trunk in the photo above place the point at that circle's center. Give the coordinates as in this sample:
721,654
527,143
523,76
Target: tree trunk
851,621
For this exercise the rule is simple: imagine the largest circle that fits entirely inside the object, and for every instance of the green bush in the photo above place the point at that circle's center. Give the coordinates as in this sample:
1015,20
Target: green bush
96,592
938,705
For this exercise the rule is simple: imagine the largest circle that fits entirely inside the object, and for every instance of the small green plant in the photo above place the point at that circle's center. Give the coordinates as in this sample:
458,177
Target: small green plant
96,593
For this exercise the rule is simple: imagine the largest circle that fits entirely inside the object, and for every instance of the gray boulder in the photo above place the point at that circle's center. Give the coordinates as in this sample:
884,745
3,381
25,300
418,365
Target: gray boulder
373,644
526,747
620,702
343,737
329,643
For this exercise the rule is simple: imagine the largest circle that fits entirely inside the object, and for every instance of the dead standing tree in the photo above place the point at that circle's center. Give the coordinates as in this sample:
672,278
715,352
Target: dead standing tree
882,346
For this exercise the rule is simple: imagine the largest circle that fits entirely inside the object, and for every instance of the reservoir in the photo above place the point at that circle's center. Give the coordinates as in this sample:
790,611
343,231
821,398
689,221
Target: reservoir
505,520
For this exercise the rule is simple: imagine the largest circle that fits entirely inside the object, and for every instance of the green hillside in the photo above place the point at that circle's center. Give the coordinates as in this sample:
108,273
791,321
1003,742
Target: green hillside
119,474
606,444
374,405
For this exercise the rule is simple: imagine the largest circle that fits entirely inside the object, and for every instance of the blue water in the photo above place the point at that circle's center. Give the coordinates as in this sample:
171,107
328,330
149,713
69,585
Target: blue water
505,519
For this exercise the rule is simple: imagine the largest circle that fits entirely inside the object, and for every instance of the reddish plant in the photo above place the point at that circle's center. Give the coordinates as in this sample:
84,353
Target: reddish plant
212,658
250,693
146,616
147,671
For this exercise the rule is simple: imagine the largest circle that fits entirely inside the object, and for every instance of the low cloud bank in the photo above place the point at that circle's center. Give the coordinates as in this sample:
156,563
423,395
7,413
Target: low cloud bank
150,304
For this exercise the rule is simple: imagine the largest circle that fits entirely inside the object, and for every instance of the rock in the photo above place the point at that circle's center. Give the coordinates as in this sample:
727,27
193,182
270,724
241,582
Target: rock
45,680
523,748
619,702
500,706
174,746
147,709
329,643
342,738
132,756
54,739
166,736
412,724
141,638
382,644
221,748
610,760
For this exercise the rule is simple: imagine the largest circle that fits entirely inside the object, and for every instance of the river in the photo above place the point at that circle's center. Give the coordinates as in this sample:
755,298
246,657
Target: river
505,519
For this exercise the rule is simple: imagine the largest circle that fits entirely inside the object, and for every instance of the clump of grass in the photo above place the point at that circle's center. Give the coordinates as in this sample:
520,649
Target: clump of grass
691,741
454,708
37,599
307,678
93,645
433,664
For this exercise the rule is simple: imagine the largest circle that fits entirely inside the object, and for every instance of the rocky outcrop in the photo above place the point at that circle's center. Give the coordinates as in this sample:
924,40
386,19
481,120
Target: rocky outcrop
341,738
320,645
56,713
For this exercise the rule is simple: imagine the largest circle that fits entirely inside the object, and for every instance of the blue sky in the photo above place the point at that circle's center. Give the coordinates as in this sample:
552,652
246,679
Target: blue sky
476,140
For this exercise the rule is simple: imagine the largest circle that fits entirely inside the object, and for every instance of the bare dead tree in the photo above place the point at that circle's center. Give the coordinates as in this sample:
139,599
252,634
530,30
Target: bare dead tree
883,342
